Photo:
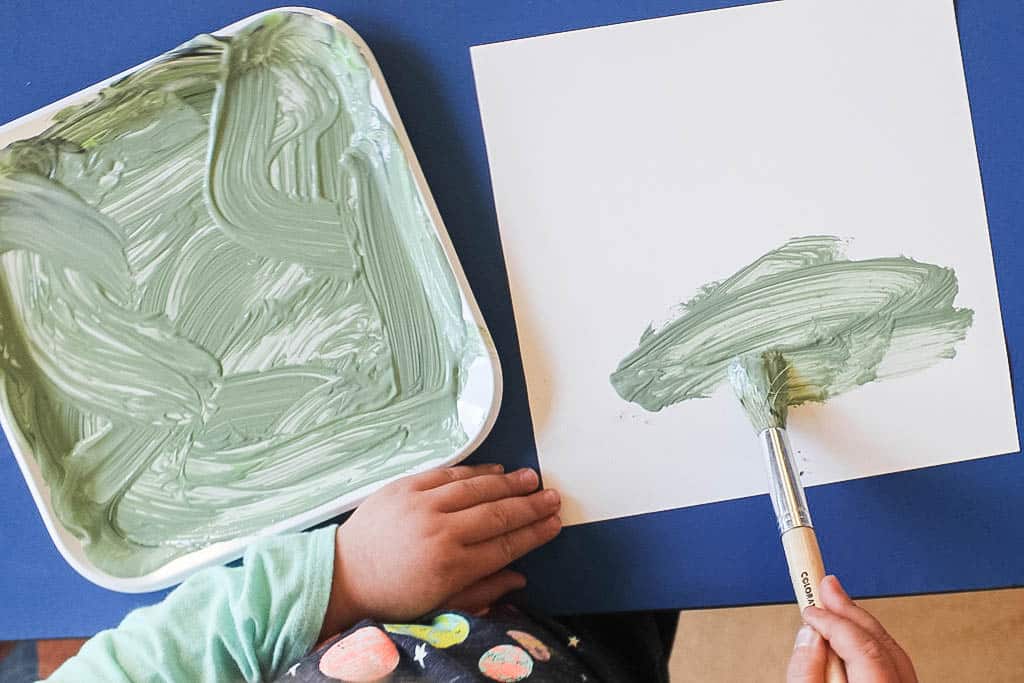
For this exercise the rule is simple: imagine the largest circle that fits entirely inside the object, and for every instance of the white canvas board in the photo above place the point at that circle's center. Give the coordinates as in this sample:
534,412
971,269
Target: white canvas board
633,163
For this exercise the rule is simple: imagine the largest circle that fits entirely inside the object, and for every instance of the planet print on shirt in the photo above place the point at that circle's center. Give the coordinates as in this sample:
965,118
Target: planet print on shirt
506,664
531,644
364,655
447,629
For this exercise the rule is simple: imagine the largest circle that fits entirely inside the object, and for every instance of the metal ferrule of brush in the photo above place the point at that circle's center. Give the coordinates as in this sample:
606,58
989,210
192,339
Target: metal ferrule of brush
784,478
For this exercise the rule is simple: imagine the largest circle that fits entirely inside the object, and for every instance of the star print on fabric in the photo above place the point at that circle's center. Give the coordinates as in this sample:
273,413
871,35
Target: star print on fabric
295,667
420,655
574,641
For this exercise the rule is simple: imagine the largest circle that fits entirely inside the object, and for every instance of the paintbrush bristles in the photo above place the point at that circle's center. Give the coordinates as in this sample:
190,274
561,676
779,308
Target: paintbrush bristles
761,382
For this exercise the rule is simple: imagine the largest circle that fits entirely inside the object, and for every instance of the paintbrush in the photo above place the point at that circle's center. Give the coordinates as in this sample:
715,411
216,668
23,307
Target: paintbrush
762,383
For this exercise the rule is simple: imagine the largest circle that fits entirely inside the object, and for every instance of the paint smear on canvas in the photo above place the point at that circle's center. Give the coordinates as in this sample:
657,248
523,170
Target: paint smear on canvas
841,323
222,300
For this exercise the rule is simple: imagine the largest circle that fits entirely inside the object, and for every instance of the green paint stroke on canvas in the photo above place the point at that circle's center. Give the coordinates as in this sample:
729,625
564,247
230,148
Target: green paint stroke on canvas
840,323
222,300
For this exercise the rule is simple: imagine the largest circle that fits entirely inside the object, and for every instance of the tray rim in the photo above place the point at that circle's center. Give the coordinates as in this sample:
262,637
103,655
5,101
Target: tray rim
177,570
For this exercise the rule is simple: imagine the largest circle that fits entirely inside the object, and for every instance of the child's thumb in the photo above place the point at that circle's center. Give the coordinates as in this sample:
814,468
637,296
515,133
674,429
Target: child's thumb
486,591
807,664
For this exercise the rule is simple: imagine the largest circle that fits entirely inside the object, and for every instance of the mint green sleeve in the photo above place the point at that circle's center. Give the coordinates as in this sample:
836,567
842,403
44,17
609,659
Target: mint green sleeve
223,624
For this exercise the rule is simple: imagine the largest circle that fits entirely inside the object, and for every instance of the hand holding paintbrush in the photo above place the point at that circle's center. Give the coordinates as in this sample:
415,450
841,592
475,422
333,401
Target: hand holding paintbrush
762,383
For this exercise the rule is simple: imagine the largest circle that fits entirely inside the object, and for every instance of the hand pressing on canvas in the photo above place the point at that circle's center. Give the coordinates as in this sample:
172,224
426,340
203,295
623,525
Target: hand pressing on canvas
442,538
869,652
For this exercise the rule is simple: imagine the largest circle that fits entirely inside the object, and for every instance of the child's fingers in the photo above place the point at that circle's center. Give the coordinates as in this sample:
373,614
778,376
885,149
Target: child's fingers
434,478
835,600
486,591
865,658
498,552
488,520
807,664
466,493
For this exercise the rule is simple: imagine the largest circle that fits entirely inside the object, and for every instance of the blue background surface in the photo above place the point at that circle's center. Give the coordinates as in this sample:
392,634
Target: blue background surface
943,528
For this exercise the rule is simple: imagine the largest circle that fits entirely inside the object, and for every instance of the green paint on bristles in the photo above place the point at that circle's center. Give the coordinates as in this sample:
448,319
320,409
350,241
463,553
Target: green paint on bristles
761,382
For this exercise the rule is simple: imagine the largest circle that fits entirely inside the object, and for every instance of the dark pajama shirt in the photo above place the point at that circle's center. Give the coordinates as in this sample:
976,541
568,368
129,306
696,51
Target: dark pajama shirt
505,644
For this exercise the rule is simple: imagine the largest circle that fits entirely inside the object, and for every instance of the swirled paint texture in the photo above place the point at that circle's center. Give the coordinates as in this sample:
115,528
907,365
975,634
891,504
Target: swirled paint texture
840,323
223,301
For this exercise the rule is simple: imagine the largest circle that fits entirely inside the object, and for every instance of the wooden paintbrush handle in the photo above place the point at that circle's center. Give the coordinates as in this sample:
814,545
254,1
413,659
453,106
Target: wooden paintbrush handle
806,570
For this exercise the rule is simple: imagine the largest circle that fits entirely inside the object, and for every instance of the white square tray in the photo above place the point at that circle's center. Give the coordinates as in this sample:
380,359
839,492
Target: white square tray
478,401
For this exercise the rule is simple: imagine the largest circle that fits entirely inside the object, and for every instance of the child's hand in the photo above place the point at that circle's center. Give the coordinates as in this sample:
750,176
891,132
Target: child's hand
869,652
439,538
